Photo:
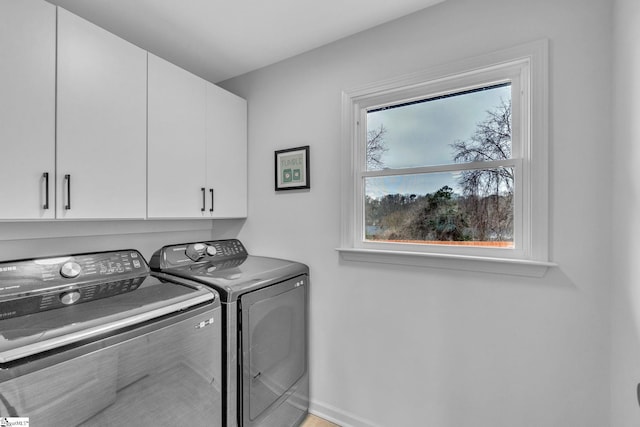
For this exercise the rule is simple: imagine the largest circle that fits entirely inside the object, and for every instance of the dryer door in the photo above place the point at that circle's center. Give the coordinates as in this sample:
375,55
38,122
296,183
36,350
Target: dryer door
274,346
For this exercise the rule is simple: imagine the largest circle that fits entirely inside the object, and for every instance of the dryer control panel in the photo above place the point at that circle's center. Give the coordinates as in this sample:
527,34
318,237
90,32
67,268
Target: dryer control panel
192,253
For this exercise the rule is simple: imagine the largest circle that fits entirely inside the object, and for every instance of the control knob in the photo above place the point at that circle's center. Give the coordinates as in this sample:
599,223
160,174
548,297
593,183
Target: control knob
70,270
195,251
211,250
69,298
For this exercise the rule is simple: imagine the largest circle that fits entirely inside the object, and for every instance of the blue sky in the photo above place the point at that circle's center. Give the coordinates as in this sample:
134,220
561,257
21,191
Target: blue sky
421,134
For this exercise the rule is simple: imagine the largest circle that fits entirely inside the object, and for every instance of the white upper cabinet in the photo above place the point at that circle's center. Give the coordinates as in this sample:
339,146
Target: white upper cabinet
197,155
226,153
27,108
101,123
93,127
176,152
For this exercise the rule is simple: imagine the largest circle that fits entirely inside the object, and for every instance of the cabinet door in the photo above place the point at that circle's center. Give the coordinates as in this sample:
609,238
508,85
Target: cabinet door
176,153
101,117
27,108
226,153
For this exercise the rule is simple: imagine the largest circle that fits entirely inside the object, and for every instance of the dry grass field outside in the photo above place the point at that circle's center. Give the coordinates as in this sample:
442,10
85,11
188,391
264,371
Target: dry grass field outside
486,243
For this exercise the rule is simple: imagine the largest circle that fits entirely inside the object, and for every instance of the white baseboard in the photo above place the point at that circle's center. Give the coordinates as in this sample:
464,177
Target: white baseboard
338,416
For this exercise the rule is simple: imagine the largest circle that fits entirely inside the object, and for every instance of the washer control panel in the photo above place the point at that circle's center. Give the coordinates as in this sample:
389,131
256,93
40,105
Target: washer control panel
197,252
30,286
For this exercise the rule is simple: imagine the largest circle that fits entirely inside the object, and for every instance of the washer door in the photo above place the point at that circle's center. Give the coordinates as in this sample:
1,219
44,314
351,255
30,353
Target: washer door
274,346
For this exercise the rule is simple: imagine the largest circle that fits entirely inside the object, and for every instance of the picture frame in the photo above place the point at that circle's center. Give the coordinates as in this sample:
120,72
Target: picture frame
292,169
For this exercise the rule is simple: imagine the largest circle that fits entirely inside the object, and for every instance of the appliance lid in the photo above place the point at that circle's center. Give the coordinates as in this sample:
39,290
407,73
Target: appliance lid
46,330
50,308
255,272
225,266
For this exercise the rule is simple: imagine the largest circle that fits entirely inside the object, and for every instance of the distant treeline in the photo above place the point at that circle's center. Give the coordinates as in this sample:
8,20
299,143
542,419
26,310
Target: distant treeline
440,216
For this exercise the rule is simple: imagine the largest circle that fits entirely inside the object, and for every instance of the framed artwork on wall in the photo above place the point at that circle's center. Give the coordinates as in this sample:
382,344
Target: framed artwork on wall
292,169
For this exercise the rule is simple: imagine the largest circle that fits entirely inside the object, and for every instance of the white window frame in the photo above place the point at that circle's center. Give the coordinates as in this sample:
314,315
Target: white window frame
526,68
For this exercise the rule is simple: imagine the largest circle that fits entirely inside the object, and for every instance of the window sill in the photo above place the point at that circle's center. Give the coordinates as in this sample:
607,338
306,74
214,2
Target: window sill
517,267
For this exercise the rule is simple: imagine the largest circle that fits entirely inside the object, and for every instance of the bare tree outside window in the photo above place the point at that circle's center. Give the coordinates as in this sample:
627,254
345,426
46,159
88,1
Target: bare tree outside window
488,192
376,147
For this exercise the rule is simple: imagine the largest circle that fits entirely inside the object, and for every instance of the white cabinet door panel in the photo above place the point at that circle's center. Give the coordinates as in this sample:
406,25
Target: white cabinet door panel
226,153
27,108
101,118
176,144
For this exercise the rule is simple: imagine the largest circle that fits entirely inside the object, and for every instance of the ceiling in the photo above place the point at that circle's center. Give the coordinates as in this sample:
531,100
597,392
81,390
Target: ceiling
218,39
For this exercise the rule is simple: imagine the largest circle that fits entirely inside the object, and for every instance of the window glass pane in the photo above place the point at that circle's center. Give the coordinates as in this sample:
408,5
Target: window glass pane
472,207
467,126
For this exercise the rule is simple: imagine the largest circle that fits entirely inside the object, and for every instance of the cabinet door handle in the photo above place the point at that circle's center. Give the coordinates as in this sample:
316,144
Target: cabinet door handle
203,199
211,191
67,179
46,190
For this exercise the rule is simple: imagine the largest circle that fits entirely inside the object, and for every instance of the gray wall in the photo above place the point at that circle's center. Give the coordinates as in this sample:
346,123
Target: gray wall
37,239
625,309
404,346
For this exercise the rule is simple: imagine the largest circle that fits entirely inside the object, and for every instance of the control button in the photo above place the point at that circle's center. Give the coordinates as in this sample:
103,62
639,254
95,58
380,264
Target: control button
195,251
68,298
211,250
70,270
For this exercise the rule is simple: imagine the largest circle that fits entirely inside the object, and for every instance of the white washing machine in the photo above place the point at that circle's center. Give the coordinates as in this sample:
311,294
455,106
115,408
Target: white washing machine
264,319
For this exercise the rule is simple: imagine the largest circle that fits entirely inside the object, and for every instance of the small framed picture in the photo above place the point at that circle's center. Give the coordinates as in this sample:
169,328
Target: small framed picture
292,169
